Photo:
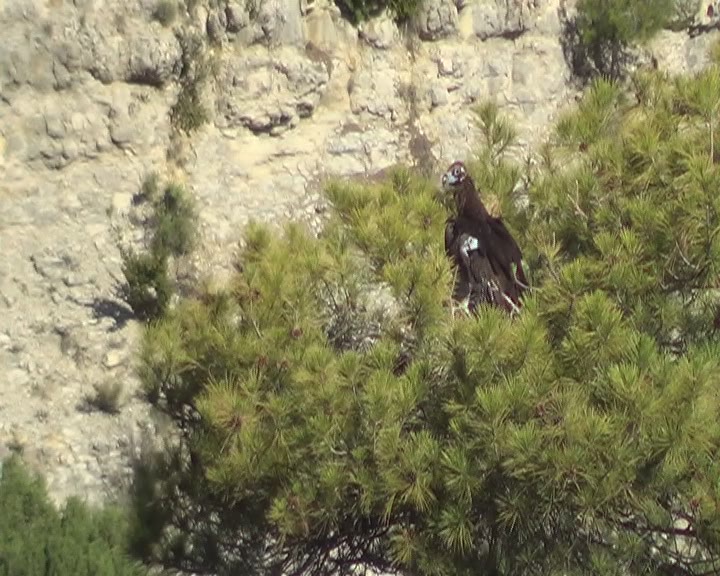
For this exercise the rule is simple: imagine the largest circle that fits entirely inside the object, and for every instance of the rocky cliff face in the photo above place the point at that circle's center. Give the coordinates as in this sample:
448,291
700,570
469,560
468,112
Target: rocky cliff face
90,96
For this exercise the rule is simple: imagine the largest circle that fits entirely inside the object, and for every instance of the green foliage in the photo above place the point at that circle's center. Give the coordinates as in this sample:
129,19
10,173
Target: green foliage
684,15
623,22
147,288
360,10
606,29
189,113
580,437
36,540
652,248
174,222
165,12
173,225
714,52
149,189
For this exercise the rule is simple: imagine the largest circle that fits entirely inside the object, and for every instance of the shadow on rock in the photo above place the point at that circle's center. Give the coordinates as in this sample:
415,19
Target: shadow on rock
109,308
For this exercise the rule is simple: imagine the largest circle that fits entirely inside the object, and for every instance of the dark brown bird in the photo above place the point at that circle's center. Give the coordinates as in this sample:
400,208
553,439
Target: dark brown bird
486,255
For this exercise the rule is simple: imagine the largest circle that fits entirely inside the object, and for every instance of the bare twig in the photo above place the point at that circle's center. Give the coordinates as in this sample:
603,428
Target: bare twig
695,267
576,201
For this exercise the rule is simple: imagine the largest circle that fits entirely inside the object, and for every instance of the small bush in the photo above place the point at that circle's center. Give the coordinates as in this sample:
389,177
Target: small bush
175,222
147,288
106,397
37,540
403,10
149,189
684,15
165,12
357,11
189,113
598,40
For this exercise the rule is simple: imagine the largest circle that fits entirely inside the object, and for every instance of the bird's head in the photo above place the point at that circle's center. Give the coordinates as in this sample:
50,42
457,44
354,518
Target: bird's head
454,175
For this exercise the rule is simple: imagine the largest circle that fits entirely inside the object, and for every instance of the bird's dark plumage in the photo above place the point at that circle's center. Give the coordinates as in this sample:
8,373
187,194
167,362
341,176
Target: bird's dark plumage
486,255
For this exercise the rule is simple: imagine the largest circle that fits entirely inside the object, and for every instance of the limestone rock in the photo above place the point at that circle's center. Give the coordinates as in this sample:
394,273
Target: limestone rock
55,52
113,359
216,23
281,21
236,16
270,93
546,18
538,72
325,28
437,19
380,32
375,91
355,151
682,54
59,131
438,95
138,55
498,18
154,61
272,22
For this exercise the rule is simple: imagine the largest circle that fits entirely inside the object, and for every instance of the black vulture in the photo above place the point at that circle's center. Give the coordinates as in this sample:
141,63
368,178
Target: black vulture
485,253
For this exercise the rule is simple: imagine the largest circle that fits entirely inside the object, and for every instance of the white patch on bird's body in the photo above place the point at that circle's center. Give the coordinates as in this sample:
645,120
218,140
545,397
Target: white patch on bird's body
469,244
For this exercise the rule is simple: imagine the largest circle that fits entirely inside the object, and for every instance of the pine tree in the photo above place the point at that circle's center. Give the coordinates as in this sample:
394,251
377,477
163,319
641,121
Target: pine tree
604,32
38,540
321,433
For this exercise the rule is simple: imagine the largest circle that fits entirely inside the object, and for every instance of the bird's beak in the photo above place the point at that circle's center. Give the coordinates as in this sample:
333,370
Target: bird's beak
444,180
